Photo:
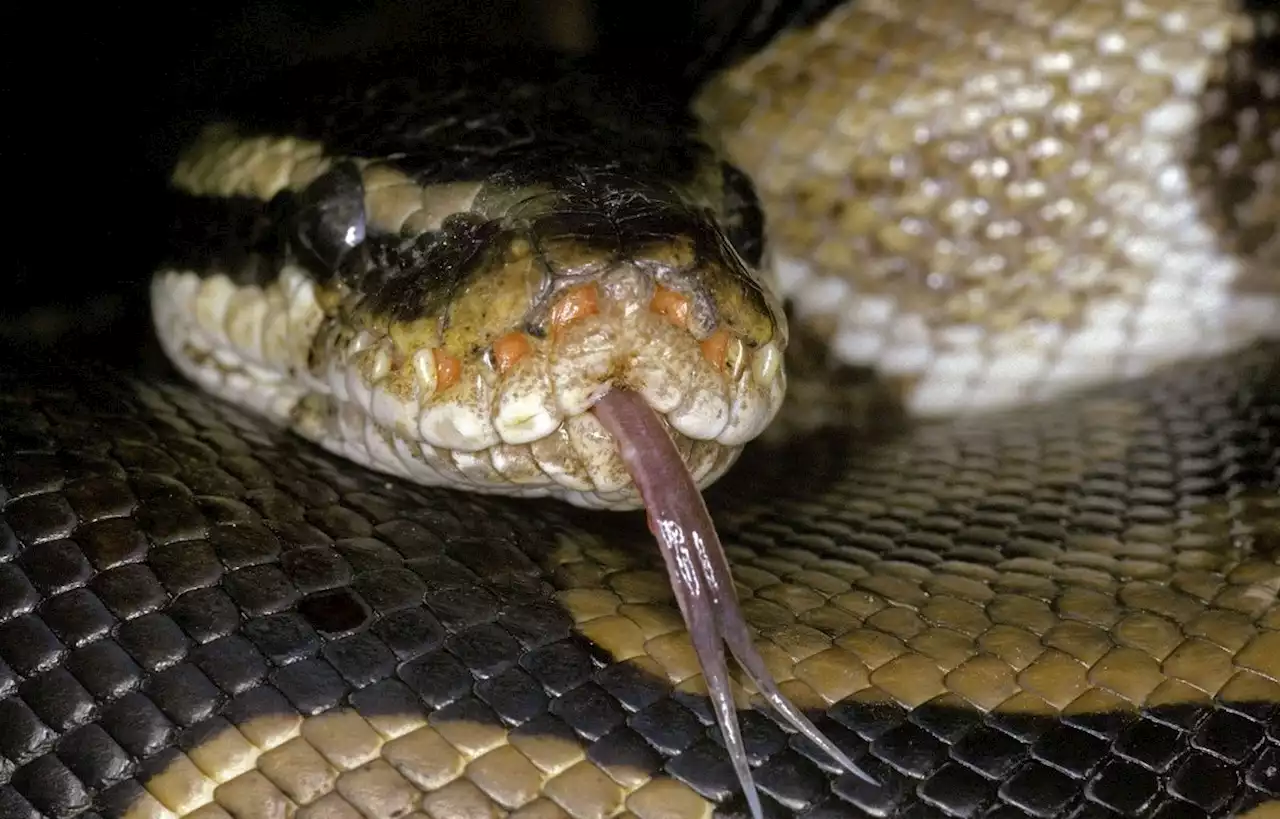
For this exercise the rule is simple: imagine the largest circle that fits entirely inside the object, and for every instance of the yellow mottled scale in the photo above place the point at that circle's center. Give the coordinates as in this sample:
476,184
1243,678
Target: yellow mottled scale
993,202
347,764
495,304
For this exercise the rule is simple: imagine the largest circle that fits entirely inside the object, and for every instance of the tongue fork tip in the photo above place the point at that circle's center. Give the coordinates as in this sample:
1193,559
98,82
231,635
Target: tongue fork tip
700,577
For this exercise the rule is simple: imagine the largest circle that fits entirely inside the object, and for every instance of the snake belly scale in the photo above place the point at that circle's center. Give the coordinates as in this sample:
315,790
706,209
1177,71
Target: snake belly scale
1068,609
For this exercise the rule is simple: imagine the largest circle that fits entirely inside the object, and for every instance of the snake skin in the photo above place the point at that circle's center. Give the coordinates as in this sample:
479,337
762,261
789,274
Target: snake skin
994,200
1067,612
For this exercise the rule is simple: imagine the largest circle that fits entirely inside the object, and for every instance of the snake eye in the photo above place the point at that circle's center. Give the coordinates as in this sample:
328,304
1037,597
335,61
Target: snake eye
743,218
330,218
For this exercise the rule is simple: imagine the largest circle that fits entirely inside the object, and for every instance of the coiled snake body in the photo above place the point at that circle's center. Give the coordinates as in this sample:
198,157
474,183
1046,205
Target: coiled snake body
477,275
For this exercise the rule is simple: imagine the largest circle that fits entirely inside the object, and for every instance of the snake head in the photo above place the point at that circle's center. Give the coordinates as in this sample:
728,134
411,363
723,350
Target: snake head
472,352
445,285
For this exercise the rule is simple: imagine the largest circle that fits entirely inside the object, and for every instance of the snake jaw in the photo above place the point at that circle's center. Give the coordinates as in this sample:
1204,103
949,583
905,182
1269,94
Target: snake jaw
512,417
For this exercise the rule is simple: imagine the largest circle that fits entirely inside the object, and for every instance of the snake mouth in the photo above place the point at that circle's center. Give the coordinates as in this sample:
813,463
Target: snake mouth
515,416
512,415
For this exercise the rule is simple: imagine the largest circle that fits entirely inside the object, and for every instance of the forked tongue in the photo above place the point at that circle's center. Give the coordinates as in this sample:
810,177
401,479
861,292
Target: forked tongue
700,577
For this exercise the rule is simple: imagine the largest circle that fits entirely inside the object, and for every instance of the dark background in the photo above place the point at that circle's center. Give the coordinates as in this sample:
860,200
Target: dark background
99,98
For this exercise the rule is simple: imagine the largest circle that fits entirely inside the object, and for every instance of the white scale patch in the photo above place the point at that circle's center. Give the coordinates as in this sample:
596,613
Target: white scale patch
1192,306
1189,311
247,345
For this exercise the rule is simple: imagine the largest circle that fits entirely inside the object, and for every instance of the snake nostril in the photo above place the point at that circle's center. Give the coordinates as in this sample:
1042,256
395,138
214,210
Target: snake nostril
577,303
508,350
671,305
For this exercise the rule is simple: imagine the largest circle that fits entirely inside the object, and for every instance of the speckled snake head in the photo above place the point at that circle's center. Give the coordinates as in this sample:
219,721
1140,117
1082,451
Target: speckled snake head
491,338
458,333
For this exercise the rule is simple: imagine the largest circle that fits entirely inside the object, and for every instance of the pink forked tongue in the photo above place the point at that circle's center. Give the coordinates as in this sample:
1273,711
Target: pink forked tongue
700,577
